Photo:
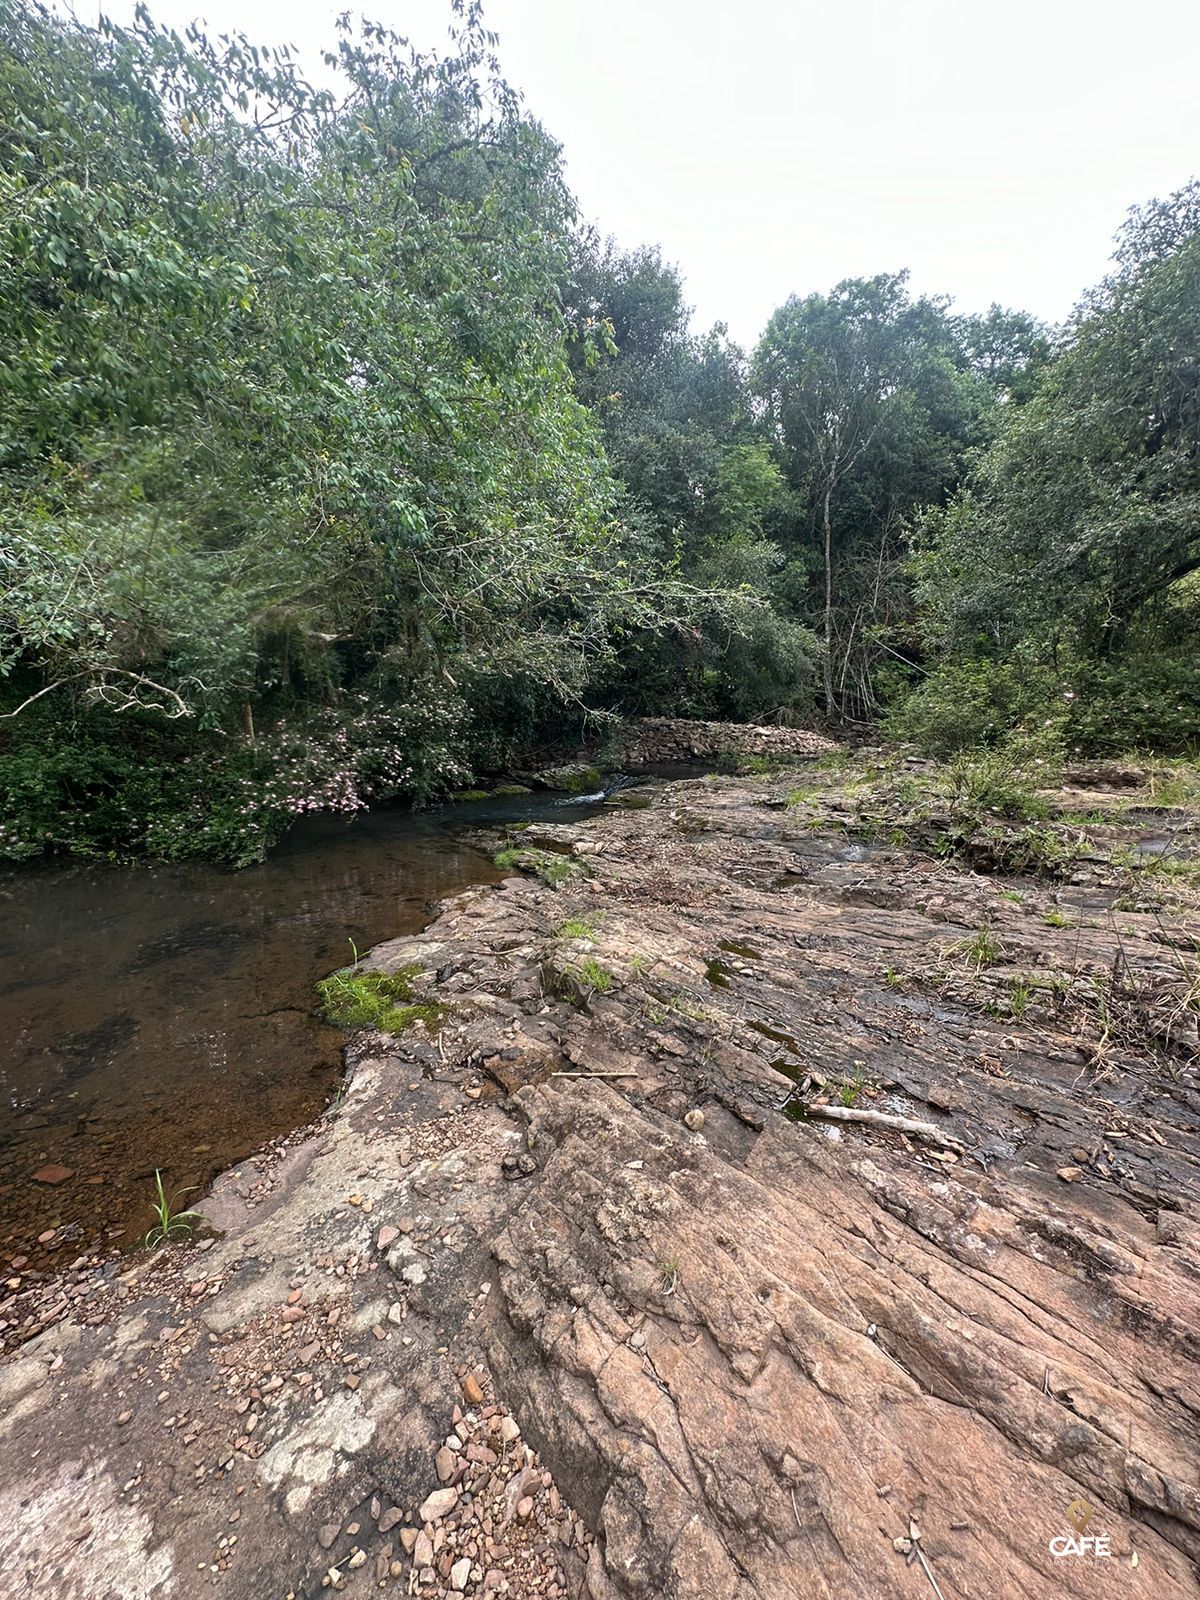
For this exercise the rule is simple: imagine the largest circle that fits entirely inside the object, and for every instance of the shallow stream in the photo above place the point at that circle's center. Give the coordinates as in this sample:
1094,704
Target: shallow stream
164,1016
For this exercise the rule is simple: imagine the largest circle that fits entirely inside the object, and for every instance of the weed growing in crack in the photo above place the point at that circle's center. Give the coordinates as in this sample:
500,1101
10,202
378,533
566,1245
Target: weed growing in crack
169,1221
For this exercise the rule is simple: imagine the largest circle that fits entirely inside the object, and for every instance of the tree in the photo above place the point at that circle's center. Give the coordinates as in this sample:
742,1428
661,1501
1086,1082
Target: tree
700,485
1085,511
871,408
1076,536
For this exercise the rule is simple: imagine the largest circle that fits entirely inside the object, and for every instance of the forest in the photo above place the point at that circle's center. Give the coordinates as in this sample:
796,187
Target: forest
341,460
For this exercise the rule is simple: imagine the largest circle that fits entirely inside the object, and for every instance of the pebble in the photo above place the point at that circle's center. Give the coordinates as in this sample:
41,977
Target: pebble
444,1464
387,1235
438,1504
472,1390
460,1573
389,1519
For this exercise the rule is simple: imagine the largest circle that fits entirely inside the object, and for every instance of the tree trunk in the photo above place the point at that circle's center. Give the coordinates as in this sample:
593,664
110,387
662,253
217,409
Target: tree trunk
830,703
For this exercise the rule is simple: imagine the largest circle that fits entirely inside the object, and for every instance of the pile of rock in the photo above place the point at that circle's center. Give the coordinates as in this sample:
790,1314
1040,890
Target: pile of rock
655,739
496,1525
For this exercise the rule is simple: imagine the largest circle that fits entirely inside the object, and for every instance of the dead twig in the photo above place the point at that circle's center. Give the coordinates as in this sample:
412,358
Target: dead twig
621,1074
927,1569
884,1119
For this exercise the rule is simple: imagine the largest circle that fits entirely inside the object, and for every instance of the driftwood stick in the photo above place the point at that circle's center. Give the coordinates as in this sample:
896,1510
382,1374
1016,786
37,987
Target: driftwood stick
884,1119
622,1074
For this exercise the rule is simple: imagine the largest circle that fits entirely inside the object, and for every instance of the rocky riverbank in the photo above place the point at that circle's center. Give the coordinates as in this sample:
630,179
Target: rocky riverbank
784,1205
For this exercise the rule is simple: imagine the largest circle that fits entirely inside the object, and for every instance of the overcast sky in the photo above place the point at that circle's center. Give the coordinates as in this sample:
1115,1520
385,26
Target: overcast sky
773,146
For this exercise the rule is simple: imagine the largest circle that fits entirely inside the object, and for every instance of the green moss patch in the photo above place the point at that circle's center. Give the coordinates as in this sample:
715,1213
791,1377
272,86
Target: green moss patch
549,866
383,1000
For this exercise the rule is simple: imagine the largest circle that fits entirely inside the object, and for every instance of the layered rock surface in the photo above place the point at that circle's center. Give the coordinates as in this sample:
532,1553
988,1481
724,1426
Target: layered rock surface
760,1357
667,739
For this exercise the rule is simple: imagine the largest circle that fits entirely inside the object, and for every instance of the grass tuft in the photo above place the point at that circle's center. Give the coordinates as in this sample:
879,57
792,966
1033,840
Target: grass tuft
383,1000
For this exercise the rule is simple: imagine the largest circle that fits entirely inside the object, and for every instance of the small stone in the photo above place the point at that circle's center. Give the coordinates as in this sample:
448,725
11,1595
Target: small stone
389,1519
395,1312
405,1224
387,1235
422,1549
123,1418
694,1120
352,1382
472,1390
438,1504
53,1173
460,1574
509,1431
293,1314
525,1508
45,1238
408,1538
444,1464
1069,1174
327,1534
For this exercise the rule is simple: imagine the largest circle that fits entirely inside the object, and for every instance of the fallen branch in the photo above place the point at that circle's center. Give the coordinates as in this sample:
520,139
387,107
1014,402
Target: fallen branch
622,1074
884,1119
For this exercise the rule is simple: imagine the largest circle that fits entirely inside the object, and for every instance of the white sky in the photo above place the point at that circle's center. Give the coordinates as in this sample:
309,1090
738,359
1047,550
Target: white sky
773,146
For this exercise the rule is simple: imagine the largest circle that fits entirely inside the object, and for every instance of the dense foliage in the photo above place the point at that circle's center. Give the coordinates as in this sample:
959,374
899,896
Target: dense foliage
1064,570
287,422
338,458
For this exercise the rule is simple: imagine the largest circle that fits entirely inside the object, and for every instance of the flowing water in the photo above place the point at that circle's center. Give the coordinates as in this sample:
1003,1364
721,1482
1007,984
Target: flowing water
163,1016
